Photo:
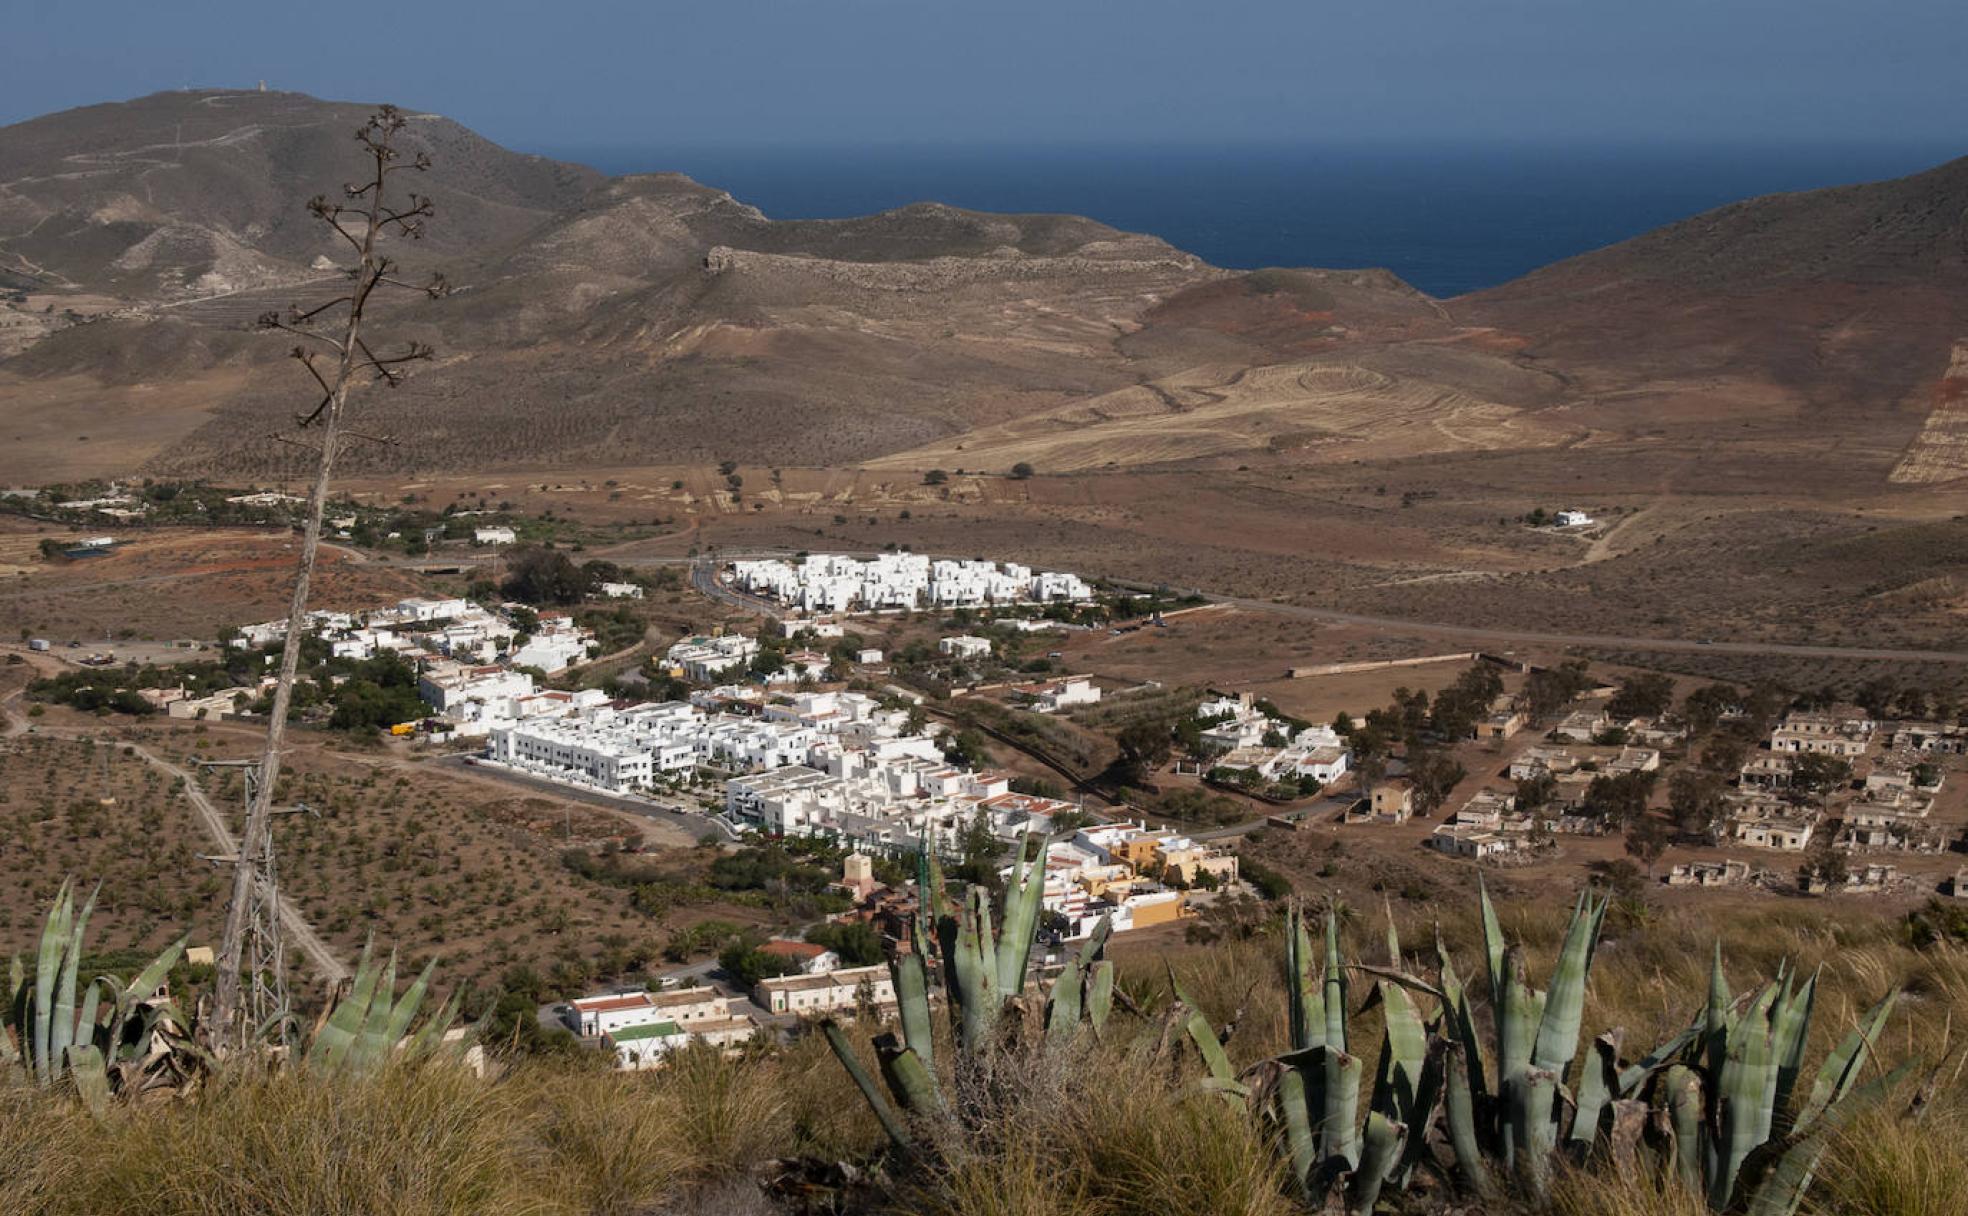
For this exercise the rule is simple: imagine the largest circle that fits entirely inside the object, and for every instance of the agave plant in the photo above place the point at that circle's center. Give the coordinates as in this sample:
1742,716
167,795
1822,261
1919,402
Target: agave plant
1712,1105
368,1026
983,976
111,1037
1735,1132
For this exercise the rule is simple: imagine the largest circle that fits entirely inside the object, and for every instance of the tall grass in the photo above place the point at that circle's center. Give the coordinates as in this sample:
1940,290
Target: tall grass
1105,1130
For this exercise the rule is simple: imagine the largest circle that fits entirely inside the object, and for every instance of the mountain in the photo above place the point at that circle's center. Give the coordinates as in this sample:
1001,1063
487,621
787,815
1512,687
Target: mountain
1847,307
178,195
650,319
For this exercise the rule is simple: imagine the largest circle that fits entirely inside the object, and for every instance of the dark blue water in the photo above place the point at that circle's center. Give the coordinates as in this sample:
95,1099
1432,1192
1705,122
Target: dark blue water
1447,219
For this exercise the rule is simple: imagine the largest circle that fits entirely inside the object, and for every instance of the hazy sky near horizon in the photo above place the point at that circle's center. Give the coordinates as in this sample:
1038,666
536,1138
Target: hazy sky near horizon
599,74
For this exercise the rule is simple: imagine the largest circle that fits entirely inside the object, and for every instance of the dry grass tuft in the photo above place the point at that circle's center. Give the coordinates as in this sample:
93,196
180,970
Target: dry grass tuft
1884,1165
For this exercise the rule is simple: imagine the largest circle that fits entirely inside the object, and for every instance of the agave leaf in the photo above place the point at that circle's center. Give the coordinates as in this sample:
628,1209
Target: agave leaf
884,1113
54,940
85,1018
1564,1006
1683,1088
1403,1049
1715,1026
1841,1068
964,978
85,1065
1420,1115
1062,1013
1791,1030
1335,990
1299,1142
1517,1022
1021,921
913,1085
911,978
1749,1076
929,893
1534,1126
1339,1134
335,1035
64,1027
1100,993
1493,944
1598,1085
1777,1186
1462,1027
1214,1057
1304,996
1633,1076
987,952
406,1008
430,1036
1379,1155
372,1044
1460,1108
130,995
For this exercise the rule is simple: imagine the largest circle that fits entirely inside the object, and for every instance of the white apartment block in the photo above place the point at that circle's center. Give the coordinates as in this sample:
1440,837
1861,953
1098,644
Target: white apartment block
824,582
621,591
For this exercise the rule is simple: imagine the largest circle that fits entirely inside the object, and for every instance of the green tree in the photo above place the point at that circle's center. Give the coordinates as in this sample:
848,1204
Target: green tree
1434,774
745,963
1533,793
855,941
1819,774
1621,797
545,576
1695,798
1646,840
1021,471
1646,695
1705,706
1550,689
980,852
1146,745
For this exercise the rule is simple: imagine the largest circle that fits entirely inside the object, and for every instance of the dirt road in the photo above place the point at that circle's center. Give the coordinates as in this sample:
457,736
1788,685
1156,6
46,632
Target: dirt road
224,843
298,930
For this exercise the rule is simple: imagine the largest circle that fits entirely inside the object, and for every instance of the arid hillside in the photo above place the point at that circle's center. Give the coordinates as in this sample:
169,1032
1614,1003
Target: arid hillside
1802,340
1836,314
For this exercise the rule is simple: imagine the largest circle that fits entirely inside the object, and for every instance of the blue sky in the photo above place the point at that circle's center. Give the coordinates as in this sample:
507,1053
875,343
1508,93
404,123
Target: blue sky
765,72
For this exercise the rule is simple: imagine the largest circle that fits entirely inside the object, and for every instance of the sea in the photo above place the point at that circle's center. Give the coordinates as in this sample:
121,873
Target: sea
1448,218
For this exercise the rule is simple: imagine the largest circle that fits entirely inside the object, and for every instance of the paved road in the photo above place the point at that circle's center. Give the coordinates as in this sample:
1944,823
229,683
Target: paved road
703,577
703,827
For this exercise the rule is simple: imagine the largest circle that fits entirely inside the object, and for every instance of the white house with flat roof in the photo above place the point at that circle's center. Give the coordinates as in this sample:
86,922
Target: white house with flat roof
964,646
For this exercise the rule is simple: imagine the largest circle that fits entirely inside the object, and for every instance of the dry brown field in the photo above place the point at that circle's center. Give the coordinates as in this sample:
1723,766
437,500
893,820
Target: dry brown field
167,584
435,861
